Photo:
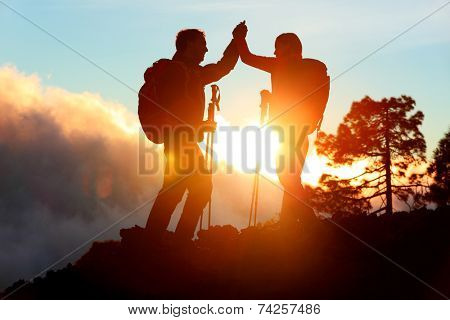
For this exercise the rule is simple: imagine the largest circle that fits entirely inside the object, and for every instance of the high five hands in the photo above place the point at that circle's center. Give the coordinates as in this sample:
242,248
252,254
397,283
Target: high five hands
240,31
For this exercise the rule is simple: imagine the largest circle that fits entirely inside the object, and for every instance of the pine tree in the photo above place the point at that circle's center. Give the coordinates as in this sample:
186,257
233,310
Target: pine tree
387,136
440,170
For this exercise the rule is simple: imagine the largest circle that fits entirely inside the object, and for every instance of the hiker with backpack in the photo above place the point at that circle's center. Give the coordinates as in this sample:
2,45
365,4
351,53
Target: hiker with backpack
171,109
300,89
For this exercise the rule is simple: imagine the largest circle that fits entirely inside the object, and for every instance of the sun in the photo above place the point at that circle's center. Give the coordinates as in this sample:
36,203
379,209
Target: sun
245,148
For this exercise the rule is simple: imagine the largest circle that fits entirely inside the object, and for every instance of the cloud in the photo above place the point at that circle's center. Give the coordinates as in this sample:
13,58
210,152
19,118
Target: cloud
69,168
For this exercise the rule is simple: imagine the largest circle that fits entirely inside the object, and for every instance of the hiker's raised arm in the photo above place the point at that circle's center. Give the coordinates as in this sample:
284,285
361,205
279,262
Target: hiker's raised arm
253,60
215,71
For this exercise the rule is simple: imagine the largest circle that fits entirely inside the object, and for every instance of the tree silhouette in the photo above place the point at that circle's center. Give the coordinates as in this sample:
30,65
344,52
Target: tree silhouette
387,136
337,198
439,168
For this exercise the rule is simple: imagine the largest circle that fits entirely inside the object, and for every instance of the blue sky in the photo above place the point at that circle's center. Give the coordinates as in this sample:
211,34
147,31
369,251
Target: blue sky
124,37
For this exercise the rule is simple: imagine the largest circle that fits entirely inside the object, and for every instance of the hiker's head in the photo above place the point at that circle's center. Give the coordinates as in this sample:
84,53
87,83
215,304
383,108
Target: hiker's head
288,45
192,43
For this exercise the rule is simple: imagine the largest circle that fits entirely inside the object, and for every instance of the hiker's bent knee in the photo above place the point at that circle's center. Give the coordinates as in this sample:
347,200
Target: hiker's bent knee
201,188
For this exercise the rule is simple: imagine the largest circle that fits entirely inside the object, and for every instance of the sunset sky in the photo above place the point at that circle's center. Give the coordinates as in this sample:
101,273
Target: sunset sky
125,37
81,124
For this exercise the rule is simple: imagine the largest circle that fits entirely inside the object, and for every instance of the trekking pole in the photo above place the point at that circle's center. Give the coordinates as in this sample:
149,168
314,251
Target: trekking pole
265,100
209,156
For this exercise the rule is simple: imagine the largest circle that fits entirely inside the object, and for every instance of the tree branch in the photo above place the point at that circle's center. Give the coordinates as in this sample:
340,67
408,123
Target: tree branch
410,185
375,154
376,194
377,178
365,172
379,210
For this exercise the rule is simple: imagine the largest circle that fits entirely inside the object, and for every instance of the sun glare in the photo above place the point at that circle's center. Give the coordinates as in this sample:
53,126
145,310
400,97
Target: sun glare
244,148
243,152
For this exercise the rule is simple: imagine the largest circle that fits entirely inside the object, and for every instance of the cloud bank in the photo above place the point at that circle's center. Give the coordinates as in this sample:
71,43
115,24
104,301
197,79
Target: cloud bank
68,165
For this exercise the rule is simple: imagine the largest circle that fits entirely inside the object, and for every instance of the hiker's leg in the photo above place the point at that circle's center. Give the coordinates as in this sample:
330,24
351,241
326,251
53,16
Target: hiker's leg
306,212
171,193
199,188
289,207
289,171
165,203
294,200
199,194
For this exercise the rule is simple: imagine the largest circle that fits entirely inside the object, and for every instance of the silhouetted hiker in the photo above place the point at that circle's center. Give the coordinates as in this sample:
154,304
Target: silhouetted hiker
179,84
298,82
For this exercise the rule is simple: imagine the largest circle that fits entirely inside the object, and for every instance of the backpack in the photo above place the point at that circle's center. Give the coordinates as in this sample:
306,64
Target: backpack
316,87
154,113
